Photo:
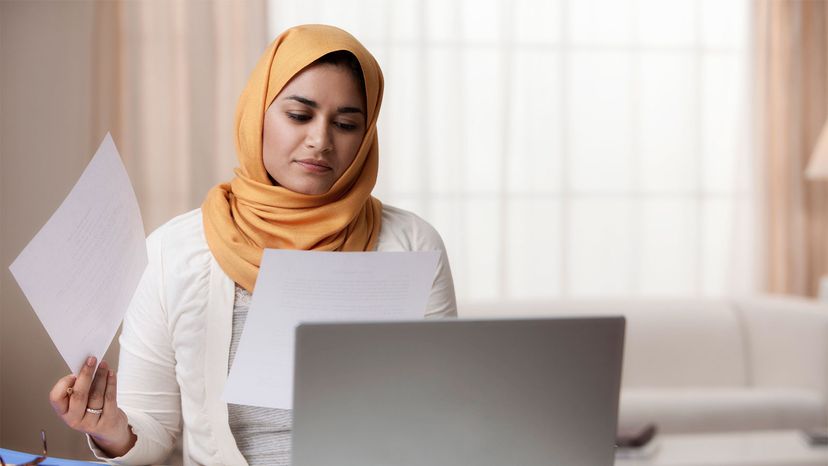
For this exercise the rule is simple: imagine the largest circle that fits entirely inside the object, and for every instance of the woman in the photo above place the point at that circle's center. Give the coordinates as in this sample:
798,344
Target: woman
307,147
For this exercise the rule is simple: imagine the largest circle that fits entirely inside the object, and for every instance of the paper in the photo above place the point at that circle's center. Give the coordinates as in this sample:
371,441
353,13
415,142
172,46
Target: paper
81,269
306,286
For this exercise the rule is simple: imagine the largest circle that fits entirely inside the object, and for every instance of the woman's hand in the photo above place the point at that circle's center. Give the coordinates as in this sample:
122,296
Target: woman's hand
88,404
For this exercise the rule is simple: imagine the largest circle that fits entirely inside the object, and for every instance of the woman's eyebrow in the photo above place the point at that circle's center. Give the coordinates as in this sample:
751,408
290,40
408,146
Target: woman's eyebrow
303,100
313,104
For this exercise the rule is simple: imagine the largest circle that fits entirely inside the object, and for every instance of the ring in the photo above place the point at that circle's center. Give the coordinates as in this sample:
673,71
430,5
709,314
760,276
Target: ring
94,411
69,391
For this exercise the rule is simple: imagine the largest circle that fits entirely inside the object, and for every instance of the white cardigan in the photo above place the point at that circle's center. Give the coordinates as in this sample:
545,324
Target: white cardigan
176,338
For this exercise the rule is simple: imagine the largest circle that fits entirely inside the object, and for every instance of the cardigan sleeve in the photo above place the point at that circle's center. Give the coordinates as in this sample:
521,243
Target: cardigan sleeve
147,388
441,302
405,231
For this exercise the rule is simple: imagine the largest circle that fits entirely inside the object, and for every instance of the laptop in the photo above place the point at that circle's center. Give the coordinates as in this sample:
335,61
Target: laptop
457,392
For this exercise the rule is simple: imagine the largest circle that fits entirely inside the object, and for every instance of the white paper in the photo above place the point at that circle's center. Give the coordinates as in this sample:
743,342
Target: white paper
306,286
81,269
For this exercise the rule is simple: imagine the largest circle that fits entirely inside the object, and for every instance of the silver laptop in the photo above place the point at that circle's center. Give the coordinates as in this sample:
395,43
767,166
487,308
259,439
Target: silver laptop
458,392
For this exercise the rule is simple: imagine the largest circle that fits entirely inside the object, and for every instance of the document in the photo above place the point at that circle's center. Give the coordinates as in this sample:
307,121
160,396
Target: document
81,269
307,286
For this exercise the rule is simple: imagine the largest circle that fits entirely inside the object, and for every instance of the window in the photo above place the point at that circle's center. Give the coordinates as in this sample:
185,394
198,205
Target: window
566,148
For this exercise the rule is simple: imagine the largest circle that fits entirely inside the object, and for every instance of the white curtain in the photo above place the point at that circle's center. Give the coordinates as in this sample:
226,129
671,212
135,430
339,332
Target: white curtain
566,148
175,70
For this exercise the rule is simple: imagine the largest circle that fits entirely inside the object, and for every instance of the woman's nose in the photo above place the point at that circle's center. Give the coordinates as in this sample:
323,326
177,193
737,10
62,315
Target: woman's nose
318,136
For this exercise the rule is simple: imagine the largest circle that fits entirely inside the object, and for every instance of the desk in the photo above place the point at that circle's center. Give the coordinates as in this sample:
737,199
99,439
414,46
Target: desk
757,448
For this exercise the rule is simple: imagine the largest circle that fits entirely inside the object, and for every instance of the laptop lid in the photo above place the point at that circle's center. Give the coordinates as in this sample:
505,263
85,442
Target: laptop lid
458,392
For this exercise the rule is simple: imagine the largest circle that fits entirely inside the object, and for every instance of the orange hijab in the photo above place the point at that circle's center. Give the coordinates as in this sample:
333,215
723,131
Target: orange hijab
249,214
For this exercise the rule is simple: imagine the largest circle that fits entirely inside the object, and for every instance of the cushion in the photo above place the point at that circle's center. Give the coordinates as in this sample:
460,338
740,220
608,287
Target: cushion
680,344
722,409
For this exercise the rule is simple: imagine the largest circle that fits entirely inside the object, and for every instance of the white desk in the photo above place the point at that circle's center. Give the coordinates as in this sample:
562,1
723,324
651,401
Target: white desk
759,448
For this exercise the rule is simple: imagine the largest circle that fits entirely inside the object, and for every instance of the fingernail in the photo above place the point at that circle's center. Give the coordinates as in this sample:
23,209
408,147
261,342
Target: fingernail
90,361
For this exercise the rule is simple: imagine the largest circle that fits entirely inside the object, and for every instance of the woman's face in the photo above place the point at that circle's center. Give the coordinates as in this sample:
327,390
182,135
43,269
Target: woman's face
313,129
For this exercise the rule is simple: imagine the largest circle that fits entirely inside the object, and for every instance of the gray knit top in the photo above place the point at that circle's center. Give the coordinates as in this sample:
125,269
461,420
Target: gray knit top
262,434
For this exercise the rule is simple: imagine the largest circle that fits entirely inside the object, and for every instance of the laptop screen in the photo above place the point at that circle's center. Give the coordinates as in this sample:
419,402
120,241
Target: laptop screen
458,392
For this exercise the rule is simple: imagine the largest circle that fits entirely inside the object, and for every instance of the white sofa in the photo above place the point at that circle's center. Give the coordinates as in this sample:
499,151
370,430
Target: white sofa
704,366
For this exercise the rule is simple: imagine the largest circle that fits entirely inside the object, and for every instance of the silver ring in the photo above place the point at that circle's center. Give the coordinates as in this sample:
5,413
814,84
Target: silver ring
94,411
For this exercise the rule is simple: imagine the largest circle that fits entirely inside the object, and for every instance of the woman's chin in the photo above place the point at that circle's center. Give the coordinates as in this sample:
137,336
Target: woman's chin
310,189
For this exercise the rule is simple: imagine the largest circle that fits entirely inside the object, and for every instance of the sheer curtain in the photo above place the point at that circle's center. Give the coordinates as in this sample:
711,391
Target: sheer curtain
566,148
792,60
174,71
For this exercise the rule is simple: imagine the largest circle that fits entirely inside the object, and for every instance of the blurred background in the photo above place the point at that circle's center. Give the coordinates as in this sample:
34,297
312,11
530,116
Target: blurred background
563,148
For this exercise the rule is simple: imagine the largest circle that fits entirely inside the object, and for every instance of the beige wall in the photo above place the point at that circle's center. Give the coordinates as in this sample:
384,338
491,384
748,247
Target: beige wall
164,78
47,135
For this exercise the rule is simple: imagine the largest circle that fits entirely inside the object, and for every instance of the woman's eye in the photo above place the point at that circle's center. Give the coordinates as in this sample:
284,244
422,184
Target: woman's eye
298,116
345,126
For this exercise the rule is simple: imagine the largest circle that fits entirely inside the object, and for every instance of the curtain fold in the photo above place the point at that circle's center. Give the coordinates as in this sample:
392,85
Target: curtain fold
791,65
172,73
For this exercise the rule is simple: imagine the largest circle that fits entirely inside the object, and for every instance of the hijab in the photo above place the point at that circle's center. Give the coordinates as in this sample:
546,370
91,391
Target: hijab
248,214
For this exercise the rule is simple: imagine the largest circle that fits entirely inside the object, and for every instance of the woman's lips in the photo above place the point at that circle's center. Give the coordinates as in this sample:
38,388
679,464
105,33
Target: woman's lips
314,166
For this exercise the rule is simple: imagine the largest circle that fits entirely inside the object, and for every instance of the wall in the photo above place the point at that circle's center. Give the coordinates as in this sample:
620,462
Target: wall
49,81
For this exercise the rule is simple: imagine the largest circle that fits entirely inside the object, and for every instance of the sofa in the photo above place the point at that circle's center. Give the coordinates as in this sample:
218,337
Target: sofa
695,365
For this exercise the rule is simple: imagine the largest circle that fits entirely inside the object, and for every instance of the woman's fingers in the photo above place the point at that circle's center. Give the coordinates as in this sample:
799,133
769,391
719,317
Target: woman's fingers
80,395
110,413
95,400
59,396
87,403
93,410
112,432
